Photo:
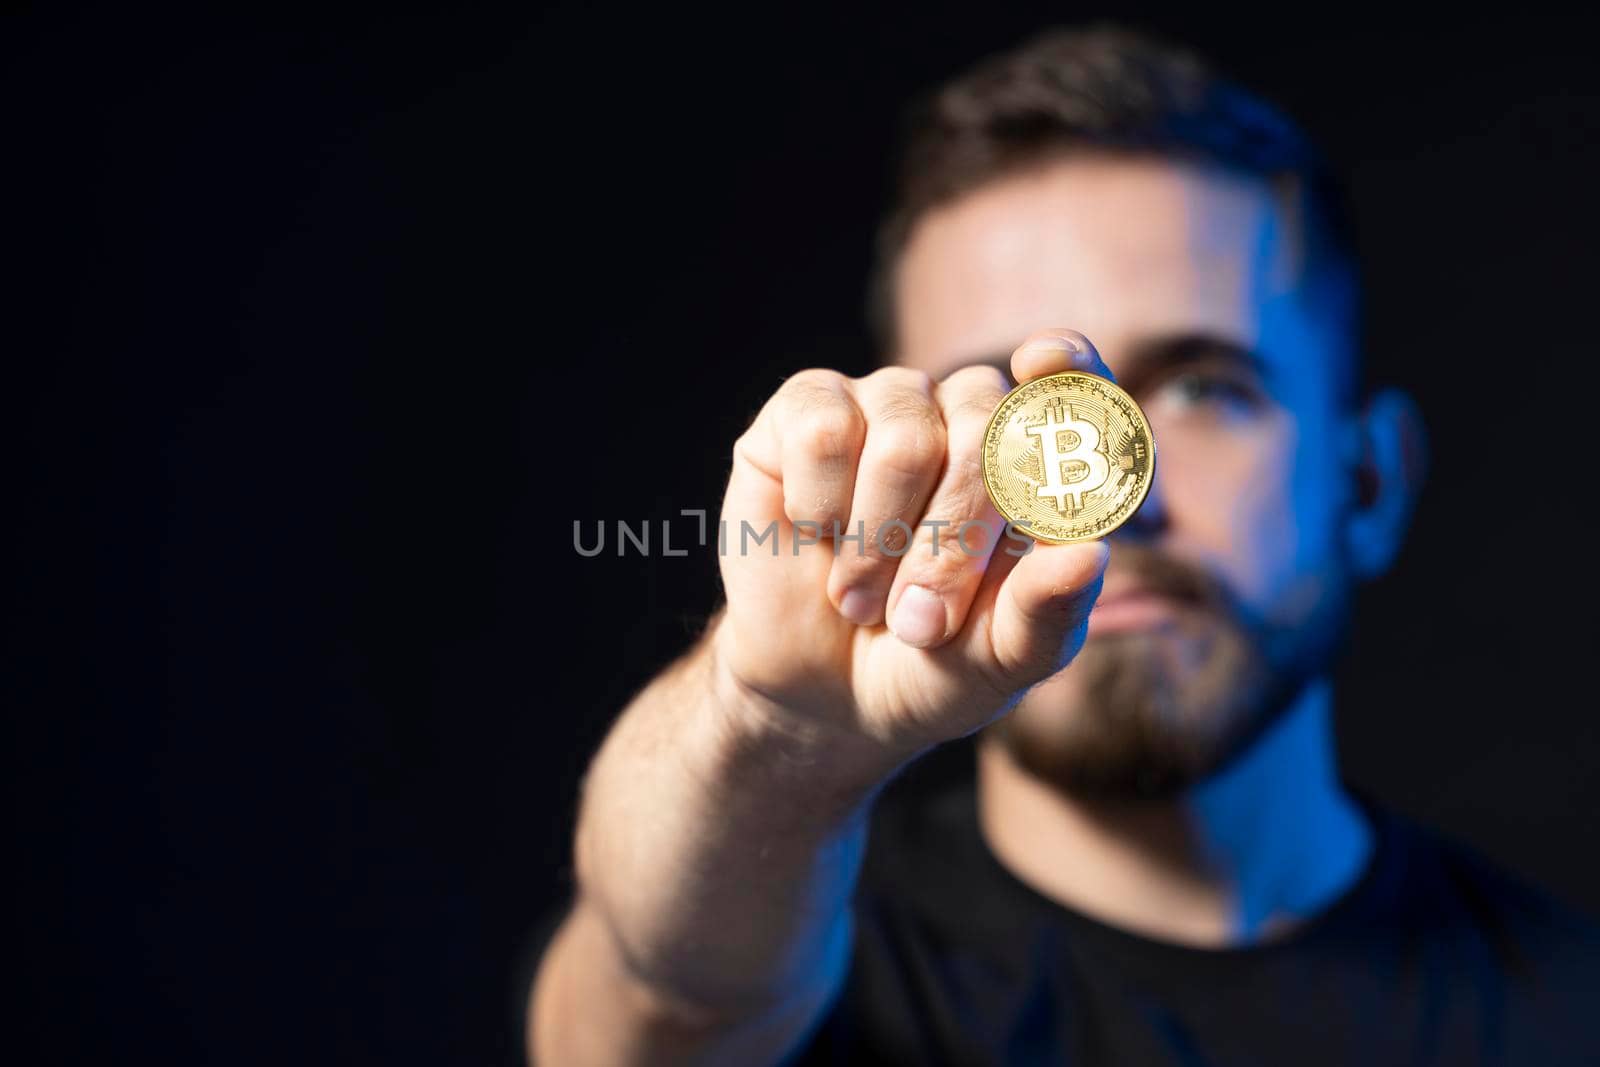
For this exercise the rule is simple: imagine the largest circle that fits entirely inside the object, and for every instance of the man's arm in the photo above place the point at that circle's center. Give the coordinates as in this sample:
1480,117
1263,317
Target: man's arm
717,843
723,821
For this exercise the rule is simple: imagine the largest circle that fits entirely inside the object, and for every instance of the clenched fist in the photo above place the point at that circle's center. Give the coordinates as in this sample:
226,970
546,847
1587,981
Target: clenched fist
895,605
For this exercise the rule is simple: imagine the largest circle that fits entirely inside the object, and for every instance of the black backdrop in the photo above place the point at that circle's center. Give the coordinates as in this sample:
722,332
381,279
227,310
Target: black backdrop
317,333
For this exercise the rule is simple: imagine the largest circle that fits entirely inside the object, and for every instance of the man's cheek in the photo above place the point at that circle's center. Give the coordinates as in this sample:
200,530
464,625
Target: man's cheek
1287,567
1270,545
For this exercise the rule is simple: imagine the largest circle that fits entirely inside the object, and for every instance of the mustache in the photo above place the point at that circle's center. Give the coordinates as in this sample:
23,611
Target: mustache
1162,574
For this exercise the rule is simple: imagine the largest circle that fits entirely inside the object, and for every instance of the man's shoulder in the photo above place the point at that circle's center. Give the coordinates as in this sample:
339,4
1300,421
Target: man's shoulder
1492,937
1444,884
926,857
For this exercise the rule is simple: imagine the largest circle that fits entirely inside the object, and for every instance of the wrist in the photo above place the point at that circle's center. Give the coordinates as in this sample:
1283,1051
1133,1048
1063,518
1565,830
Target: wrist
755,736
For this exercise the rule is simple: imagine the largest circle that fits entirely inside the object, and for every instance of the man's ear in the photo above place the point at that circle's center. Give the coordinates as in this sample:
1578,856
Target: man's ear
1386,450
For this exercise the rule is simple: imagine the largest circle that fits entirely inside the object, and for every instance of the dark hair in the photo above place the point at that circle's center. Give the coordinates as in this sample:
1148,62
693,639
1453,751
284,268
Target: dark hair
1107,89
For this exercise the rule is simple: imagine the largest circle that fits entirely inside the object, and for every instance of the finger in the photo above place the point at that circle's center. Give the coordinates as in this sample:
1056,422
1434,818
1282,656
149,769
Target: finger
900,463
1031,615
935,582
809,436
1053,350
794,465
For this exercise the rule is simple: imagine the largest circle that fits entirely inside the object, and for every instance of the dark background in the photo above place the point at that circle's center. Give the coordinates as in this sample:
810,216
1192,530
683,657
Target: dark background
317,333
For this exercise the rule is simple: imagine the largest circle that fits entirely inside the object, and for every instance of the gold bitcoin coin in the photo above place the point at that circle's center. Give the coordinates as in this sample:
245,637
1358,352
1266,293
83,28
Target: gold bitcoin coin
1068,457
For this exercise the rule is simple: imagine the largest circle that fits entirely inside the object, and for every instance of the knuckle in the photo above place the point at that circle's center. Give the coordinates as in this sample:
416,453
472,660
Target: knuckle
964,435
828,434
889,543
908,446
815,380
973,400
811,390
968,500
820,421
942,562
745,450
891,378
977,378
799,507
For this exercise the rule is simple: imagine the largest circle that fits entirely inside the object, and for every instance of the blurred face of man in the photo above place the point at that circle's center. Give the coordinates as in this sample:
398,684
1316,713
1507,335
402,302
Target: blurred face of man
1229,589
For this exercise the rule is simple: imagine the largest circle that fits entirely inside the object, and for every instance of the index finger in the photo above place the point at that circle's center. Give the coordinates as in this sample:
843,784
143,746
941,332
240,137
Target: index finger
1053,350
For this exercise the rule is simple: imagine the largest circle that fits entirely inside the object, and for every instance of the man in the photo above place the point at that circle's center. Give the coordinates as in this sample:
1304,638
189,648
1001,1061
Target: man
1157,862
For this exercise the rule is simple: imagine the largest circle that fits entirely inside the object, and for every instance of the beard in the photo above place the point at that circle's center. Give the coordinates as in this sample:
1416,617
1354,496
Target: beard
1147,714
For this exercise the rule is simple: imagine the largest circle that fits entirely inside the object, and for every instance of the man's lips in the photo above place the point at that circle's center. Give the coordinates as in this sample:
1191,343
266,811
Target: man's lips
1121,609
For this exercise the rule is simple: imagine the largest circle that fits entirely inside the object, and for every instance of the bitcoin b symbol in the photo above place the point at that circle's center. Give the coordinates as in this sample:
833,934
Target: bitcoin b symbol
1054,443
1085,451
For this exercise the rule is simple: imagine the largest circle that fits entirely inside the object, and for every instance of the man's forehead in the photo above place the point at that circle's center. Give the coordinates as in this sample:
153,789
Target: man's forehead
1125,250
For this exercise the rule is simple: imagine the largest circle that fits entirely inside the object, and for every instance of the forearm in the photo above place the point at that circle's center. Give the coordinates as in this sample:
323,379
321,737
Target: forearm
717,844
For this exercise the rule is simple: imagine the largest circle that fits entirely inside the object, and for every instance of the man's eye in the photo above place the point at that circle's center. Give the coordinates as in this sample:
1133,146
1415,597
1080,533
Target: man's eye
1198,387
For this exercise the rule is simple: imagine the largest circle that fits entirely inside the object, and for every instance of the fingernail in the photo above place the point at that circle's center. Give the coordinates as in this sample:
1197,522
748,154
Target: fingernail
857,606
1053,344
919,617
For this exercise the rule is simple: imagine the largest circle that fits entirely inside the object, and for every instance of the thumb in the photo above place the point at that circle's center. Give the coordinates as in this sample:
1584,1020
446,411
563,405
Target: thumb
1041,609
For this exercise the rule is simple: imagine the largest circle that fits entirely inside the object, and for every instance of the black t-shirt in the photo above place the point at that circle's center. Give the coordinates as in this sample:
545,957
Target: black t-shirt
1432,957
